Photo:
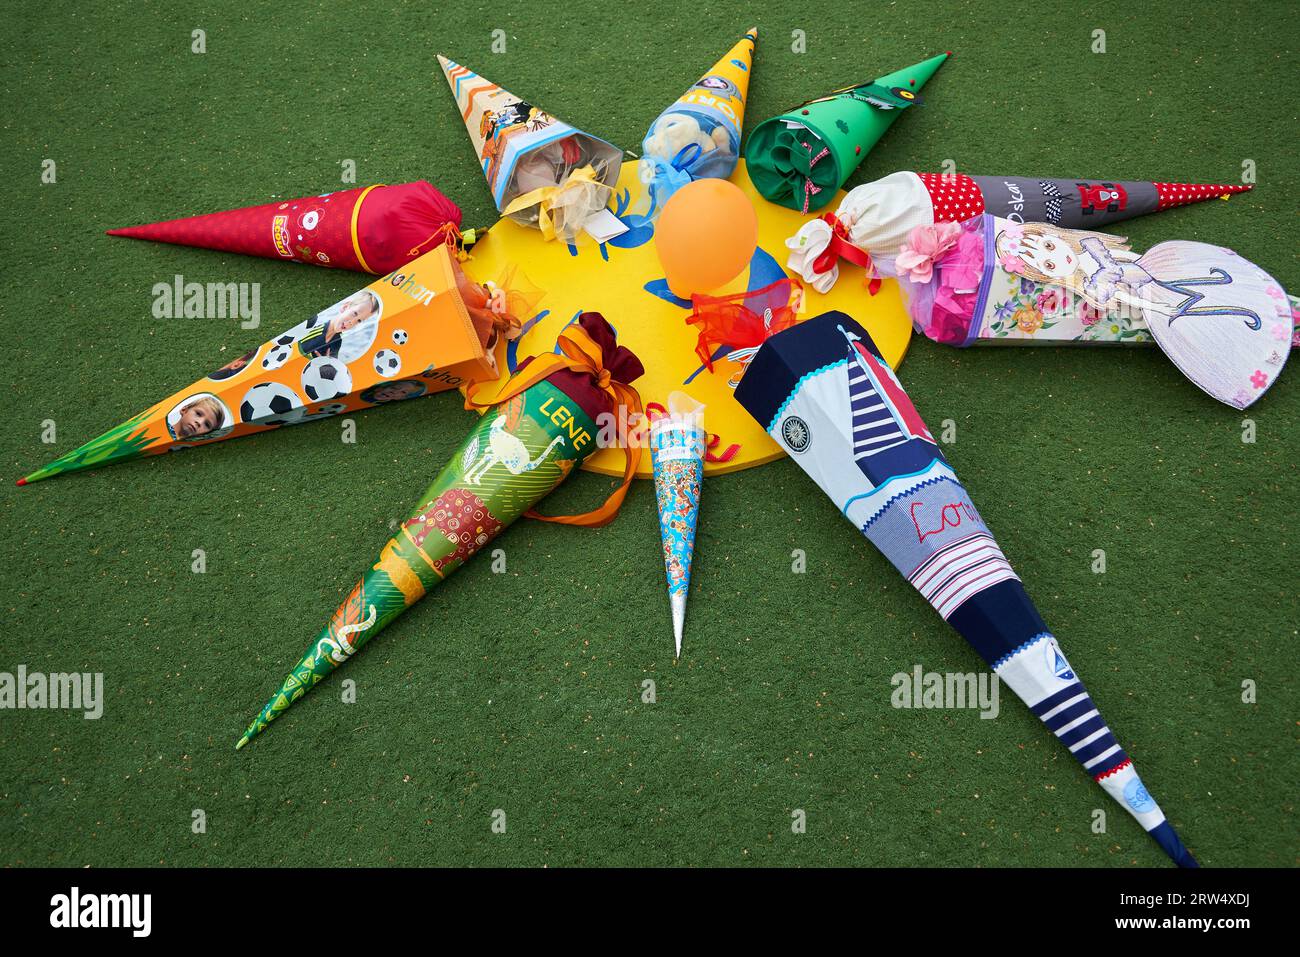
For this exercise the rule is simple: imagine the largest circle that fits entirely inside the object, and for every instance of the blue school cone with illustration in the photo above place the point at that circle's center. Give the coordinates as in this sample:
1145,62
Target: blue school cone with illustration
677,444
823,392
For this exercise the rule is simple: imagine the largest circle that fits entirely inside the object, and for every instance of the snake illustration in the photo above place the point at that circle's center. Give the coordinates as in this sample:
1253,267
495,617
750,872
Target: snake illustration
341,648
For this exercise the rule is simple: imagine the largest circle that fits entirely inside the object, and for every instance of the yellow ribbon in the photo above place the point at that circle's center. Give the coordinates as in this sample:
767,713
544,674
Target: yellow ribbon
356,215
581,354
549,198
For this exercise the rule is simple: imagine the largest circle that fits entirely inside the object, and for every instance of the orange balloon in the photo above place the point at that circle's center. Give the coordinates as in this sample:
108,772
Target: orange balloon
705,236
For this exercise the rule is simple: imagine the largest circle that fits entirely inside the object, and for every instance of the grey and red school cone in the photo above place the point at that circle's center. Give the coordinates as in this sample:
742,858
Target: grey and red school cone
875,219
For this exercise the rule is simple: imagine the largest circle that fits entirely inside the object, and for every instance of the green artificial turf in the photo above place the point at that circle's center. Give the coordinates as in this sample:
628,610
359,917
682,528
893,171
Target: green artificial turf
523,692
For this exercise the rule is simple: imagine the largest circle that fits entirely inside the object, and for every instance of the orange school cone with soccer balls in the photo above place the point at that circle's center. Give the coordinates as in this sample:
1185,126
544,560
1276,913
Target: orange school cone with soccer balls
424,329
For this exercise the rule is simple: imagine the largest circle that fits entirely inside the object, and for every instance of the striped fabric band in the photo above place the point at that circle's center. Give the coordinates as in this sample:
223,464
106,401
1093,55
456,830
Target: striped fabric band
959,570
1072,717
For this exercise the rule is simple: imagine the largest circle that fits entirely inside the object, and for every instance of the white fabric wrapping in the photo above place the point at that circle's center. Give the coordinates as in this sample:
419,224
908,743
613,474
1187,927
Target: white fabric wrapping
878,215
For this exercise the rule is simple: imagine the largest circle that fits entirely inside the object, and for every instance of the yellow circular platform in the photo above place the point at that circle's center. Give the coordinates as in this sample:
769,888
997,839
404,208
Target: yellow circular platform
623,280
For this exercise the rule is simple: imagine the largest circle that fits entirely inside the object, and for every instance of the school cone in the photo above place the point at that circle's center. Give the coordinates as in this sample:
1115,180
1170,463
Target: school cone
425,329
677,444
539,429
372,229
823,392
995,281
541,171
698,135
875,219
802,157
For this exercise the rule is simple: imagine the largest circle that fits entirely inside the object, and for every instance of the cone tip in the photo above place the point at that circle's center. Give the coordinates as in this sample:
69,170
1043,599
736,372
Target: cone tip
242,741
677,602
21,482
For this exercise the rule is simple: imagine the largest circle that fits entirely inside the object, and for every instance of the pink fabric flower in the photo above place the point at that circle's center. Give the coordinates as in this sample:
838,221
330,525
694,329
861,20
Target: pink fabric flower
1259,379
924,246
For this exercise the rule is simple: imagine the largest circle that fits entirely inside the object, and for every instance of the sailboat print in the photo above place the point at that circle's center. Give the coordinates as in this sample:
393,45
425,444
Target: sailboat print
883,416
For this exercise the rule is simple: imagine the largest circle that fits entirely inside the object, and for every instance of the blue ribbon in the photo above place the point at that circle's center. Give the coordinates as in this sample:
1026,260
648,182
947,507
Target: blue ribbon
672,175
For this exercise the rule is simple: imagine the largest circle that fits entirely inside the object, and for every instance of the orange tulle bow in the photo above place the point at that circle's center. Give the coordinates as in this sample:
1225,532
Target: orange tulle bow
498,308
742,320
581,354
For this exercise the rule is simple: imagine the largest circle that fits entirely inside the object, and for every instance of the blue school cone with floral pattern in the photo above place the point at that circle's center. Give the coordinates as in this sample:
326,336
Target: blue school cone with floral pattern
677,454
823,392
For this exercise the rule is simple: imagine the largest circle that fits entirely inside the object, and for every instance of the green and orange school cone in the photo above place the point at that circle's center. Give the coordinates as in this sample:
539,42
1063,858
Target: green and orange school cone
423,329
535,433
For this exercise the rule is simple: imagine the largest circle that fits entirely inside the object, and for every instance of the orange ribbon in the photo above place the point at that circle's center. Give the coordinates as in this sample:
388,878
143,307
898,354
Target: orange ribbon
581,354
447,233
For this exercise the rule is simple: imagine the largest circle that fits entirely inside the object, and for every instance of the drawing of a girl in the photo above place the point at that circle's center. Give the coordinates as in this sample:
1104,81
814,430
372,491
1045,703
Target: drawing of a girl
1095,265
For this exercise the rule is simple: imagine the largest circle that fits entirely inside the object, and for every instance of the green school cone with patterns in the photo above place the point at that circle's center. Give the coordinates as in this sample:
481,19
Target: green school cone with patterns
801,158
541,426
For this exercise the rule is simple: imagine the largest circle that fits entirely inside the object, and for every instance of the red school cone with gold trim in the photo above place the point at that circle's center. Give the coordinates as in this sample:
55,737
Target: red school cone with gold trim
373,229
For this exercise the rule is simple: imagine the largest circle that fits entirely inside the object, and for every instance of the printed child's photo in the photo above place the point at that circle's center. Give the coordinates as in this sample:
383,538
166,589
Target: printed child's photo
234,366
199,416
345,330
394,391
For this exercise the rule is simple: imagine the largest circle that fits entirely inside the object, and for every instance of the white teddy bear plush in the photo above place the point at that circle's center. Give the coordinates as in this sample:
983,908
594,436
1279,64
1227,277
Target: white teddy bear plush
673,132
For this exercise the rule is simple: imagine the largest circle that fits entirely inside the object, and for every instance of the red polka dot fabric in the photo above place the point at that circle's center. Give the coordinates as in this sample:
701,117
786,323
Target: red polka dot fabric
955,196
1181,194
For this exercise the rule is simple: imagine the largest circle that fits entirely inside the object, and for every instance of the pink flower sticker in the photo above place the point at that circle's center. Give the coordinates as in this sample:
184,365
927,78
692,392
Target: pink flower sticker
1050,302
1259,379
1012,264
